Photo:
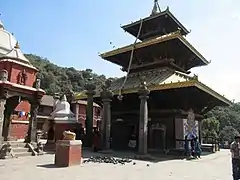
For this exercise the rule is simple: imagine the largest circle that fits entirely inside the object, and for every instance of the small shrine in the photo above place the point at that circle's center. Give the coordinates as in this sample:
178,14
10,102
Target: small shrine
62,119
19,87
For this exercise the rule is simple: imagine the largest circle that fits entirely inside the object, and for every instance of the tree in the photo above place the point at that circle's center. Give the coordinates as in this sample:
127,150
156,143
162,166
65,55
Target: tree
210,127
228,133
60,79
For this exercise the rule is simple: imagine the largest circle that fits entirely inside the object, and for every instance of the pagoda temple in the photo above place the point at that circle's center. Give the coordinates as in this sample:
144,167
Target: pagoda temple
158,103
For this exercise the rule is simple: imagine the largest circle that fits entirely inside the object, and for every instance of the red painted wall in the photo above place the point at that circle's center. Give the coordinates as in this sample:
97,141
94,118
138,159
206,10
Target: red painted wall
18,130
16,69
82,114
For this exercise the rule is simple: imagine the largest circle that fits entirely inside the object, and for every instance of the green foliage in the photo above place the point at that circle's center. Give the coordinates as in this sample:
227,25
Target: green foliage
229,122
58,79
210,127
228,133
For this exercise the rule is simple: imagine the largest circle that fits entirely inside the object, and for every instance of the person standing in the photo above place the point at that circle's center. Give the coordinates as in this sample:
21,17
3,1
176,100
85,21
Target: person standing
198,149
235,151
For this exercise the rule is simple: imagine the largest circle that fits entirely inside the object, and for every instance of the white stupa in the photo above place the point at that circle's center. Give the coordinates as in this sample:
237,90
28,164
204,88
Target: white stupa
10,49
62,112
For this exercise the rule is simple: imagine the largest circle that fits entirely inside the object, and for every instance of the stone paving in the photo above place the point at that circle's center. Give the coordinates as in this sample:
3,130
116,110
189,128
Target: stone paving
212,167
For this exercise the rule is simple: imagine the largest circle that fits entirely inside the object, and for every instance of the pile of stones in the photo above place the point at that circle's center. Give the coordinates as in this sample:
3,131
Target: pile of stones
107,159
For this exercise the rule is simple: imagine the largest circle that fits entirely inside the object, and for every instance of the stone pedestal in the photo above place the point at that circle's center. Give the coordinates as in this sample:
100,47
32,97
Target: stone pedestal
143,119
68,153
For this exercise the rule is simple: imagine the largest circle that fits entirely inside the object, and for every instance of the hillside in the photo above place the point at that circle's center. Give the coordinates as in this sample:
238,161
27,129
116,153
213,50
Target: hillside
57,79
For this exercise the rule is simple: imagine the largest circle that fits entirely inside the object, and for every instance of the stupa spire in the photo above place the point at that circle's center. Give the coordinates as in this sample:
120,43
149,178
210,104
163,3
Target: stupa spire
1,23
156,8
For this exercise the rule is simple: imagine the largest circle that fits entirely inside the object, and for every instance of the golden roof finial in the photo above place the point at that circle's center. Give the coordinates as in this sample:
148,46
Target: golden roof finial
17,46
156,8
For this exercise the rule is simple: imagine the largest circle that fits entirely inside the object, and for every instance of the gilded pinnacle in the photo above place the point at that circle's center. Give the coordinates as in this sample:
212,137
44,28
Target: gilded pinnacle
17,46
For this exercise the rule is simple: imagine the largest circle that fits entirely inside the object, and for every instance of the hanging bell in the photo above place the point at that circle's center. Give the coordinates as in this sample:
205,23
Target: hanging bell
120,97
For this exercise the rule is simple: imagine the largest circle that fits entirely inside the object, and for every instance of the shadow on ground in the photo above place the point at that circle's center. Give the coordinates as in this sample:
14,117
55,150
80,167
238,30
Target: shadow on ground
49,166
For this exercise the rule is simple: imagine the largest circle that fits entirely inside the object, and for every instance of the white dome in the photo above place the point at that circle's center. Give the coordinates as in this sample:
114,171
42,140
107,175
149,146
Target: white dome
8,45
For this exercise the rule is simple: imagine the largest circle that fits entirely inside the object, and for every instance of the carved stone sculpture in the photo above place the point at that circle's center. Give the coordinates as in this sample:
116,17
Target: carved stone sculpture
38,83
68,135
3,75
22,77
6,151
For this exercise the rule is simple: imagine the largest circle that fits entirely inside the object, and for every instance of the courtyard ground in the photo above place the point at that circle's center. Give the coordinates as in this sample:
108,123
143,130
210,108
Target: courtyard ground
211,167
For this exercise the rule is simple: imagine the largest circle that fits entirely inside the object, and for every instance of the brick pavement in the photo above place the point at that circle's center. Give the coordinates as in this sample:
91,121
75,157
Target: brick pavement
211,167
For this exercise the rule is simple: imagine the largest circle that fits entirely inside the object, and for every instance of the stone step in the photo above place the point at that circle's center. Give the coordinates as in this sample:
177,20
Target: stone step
16,144
20,149
22,154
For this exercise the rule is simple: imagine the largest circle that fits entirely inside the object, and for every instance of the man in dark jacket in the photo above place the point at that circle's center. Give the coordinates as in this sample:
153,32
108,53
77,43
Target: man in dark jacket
235,151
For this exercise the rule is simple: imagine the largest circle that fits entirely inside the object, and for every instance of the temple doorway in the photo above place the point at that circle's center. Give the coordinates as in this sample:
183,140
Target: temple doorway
157,137
124,136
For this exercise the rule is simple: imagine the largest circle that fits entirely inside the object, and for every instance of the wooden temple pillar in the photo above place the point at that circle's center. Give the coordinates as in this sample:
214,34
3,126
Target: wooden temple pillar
143,119
32,126
90,87
106,96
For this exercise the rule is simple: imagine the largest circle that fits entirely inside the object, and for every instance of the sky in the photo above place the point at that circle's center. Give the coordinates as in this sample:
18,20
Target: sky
72,33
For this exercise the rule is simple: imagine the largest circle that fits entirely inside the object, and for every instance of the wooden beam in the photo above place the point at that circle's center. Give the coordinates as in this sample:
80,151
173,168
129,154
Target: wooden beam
160,62
178,68
160,111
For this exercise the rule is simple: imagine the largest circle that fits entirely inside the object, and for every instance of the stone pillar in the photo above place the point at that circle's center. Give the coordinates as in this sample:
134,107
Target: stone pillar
143,120
106,96
2,108
77,106
89,114
200,131
3,99
32,127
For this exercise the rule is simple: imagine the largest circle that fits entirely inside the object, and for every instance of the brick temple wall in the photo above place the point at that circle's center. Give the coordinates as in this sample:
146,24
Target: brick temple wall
18,130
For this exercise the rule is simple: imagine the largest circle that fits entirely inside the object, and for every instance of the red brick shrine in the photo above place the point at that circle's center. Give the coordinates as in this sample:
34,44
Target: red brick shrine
20,91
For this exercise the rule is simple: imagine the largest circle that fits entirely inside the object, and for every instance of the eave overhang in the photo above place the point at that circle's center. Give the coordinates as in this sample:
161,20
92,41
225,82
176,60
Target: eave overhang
159,87
172,36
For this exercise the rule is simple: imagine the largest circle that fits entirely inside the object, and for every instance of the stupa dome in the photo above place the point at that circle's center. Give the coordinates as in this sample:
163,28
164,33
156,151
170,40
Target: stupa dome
62,111
9,46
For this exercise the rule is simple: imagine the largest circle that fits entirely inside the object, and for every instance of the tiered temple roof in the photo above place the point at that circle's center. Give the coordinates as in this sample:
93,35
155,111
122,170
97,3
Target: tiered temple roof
171,46
164,57
160,24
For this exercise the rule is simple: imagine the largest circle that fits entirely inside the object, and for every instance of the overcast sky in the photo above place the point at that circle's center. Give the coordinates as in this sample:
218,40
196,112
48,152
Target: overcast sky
71,33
